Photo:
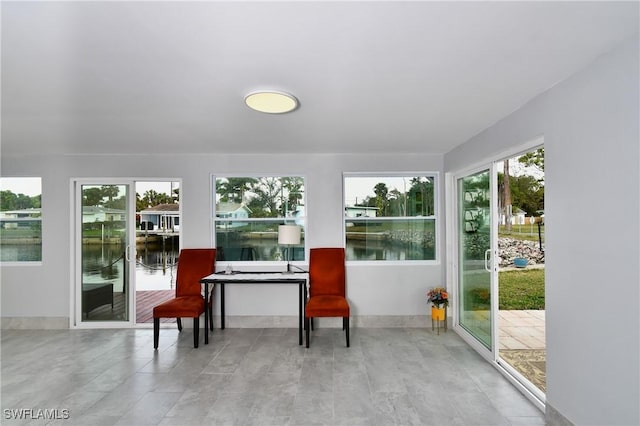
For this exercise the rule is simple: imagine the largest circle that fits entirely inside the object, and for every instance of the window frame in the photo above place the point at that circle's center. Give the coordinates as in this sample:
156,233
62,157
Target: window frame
436,217
214,220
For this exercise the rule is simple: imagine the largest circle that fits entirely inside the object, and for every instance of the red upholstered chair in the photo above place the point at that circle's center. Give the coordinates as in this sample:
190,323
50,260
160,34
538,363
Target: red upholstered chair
327,288
193,265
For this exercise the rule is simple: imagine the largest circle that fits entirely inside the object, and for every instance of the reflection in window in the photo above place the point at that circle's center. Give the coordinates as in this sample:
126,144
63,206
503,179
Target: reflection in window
247,213
20,219
390,217
104,240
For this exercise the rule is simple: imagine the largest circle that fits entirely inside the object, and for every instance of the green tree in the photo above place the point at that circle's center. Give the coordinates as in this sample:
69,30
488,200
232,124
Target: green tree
119,203
397,203
257,208
175,196
268,192
381,199
8,200
150,198
109,192
293,188
23,202
506,188
140,203
527,193
233,189
36,202
92,196
533,159
421,196
11,201
153,198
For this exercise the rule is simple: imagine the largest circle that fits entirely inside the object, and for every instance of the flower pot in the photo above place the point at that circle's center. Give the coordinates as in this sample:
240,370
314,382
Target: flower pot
438,314
438,318
520,262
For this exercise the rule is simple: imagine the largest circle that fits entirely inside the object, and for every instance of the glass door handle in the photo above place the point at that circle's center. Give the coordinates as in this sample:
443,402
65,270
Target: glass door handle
487,257
127,253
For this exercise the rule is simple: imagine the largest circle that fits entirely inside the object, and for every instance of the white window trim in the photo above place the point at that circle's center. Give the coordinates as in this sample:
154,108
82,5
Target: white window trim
13,263
437,217
213,219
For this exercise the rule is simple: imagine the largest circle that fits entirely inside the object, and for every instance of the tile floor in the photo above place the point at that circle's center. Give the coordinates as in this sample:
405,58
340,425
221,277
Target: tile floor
521,329
407,376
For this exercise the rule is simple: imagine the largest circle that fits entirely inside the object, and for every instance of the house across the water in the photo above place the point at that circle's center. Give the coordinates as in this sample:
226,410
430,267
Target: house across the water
237,211
160,218
12,219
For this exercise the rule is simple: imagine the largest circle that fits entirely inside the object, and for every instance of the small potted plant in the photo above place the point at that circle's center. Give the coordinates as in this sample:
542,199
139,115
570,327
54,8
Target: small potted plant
439,299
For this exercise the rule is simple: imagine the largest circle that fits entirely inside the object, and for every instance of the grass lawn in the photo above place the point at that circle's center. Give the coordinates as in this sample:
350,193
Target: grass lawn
521,232
521,289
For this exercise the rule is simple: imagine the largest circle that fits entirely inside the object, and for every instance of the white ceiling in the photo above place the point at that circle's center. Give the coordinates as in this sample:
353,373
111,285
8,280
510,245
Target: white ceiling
375,77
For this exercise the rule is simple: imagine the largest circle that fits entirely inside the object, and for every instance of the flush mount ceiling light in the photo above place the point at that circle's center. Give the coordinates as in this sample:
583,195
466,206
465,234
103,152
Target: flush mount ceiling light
271,102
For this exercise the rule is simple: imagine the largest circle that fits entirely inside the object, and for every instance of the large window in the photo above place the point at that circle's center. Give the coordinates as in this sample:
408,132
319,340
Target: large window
247,213
20,219
390,218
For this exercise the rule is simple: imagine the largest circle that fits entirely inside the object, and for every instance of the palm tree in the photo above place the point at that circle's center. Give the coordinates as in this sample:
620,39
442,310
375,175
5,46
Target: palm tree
507,195
294,188
233,189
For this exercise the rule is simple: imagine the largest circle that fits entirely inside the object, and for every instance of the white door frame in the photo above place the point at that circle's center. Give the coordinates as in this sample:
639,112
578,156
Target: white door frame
453,250
75,314
451,190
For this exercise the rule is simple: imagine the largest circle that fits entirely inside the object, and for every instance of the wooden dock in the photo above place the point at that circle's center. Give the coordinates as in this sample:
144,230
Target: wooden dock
145,301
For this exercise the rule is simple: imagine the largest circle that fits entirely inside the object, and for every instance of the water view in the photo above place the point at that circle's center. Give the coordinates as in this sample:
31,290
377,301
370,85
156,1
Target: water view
155,265
20,252
381,250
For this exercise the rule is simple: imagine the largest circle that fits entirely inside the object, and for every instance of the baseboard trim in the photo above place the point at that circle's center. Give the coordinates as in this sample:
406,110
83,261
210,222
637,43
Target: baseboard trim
34,323
243,321
363,321
554,418
391,321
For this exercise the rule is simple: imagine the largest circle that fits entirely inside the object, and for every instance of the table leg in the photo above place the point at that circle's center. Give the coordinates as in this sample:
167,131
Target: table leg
222,306
304,303
300,316
206,313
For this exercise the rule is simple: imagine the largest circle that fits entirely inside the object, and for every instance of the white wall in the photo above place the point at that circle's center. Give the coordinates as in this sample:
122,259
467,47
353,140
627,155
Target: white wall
382,290
590,126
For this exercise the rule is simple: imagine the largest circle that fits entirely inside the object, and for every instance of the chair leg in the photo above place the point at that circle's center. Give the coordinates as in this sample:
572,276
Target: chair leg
179,321
306,330
156,332
312,323
345,322
196,331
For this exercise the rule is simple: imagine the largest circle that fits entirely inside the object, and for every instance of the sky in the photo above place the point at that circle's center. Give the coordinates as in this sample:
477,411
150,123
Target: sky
518,169
160,187
31,186
357,188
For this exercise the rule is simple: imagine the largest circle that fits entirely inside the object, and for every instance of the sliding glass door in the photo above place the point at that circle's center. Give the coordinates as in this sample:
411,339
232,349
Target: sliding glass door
476,266
475,211
104,261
